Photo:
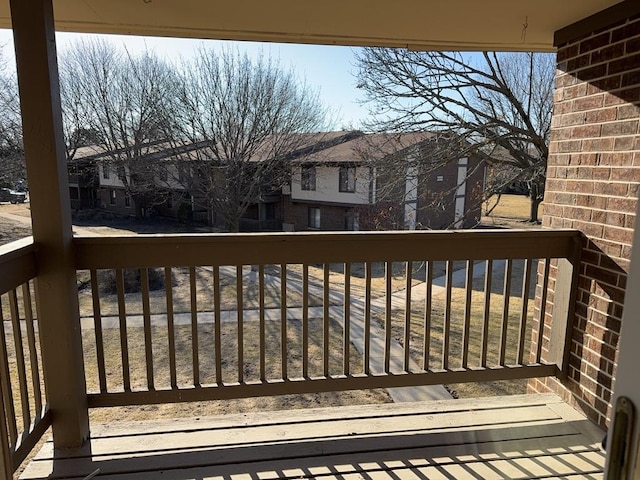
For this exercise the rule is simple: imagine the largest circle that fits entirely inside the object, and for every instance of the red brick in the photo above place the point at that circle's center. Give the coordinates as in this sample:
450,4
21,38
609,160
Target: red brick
622,204
628,111
585,131
628,127
597,144
594,43
575,91
569,146
624,143
633,45
622,235
588,103
605,84
616,159
625,174
591,73
565,80
630,79
567,52
626,64
580,62
627,31
602,115
607,53
626,95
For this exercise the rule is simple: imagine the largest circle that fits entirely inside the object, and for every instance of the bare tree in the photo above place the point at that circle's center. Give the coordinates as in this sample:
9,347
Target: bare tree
249,116
120,103
13,168
489,101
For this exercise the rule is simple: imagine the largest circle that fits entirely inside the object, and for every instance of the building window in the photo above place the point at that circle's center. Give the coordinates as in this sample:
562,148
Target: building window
170,201
183,173
112,197
105,171
351,221
308,177
162,174
314,217
127,200
347,179
440,178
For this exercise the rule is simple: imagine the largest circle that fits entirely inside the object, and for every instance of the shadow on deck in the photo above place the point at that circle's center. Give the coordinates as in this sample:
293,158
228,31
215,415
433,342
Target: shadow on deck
525,436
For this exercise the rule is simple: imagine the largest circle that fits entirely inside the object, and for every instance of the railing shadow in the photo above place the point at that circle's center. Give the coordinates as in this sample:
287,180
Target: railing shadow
524,451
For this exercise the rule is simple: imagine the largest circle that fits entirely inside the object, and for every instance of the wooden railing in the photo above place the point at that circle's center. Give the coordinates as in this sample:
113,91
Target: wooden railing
24,416
184,318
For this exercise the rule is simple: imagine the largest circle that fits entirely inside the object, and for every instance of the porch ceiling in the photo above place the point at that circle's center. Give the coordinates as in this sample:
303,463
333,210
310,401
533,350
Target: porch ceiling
419,24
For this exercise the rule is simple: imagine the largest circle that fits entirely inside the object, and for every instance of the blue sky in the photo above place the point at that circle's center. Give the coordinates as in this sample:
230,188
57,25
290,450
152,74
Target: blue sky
328,69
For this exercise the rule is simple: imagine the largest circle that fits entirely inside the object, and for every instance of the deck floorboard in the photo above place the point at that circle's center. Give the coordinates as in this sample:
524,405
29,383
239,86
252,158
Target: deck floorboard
525,436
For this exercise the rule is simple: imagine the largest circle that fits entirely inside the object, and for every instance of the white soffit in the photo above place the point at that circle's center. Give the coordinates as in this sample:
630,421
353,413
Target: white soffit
418,24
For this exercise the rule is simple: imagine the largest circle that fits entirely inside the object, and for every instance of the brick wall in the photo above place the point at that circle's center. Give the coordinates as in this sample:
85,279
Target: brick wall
592,185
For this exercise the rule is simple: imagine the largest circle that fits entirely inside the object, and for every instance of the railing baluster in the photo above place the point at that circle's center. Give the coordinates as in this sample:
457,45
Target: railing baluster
367,319
487,312
240,322
407,315
508,268
146,317
427,316
5,383
347,319
20,359
6,460
33,351
217,328
171,332
543,308
446,328
124,339
466,329
97,330
283,321
526,285
305,321
195,344
388,273
263,369
325,331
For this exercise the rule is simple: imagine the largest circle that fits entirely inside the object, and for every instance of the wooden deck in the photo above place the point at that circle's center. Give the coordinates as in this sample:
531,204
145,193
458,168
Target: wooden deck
528,436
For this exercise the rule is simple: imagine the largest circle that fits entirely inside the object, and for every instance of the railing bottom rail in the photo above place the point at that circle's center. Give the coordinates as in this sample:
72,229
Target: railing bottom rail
317,385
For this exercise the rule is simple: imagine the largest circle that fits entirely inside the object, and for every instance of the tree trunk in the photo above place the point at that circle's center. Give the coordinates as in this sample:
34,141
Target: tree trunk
536,194
535,204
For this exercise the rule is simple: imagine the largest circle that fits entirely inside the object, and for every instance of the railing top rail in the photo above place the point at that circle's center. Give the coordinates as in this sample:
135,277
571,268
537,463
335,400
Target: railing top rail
17,263
321,247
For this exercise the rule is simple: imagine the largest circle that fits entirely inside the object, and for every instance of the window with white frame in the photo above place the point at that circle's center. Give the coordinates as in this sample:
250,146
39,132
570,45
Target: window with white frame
127,200
308,181
112,197
314,217
105,171
347,179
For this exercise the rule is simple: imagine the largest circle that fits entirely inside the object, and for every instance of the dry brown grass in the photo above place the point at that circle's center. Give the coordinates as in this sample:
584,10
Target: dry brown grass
229,368
181,291
458,310
510,208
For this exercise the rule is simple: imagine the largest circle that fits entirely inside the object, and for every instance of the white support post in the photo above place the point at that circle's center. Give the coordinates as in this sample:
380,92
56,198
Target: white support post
56,290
